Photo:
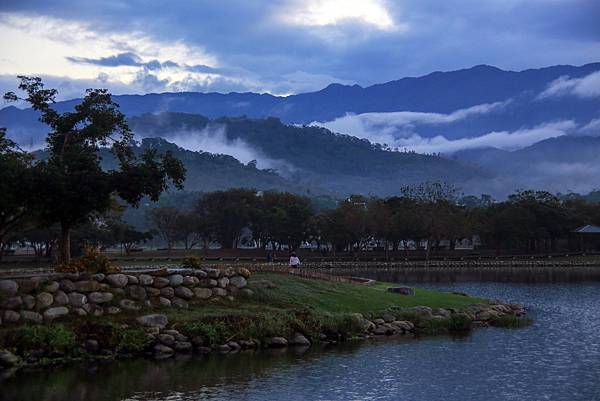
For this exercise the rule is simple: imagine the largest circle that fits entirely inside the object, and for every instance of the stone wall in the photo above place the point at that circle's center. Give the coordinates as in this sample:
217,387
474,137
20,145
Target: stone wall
43,298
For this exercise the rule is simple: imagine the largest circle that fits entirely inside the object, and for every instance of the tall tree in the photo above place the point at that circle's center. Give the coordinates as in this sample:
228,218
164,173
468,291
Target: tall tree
70,184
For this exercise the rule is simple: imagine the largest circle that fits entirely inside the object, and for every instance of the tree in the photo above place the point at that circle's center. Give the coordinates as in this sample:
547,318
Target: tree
70,184
126,235
15,166
165,220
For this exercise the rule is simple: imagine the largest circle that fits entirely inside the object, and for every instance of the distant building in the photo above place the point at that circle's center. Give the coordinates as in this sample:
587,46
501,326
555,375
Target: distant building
586,239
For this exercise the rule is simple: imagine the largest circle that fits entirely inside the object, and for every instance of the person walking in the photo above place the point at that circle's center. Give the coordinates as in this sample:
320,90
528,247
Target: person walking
294,260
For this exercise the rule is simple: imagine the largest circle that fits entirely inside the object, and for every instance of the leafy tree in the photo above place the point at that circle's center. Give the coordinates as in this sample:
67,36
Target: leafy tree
166,221
71,184
126,235
15,166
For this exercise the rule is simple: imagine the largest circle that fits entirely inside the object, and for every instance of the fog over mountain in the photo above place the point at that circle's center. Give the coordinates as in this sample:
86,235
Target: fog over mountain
471,115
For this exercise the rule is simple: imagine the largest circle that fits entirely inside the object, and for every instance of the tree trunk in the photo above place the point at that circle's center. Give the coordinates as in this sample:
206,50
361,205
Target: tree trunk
65,243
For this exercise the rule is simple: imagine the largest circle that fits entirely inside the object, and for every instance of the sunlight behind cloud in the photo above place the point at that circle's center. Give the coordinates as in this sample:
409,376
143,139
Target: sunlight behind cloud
334,12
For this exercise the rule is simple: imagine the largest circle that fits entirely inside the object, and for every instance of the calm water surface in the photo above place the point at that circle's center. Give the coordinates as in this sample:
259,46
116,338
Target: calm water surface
558,358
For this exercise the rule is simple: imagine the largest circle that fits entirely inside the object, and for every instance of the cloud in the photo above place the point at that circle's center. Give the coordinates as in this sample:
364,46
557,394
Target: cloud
502,139
592,128
213,139
586,87
387,128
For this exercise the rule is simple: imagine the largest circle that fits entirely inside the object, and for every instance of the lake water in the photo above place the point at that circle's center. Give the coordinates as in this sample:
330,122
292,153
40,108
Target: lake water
557,358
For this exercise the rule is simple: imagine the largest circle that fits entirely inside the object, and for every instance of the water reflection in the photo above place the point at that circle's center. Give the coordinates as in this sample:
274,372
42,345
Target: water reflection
558,358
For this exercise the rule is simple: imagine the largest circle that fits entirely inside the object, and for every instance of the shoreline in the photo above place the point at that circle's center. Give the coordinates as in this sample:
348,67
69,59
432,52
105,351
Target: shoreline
215,324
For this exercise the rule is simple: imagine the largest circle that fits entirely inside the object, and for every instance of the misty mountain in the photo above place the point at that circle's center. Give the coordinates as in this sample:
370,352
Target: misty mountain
310,157
513,102
567,163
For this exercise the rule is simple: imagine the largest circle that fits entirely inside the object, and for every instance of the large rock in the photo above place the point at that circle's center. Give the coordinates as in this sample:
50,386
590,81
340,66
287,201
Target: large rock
223,282
220,292
10,316
200,274
277,342
79,311
129,304
117,280
175,280
208,283
31,316
299,339
167,292
238,281
184,292
12,302
132,280
52,286
53,313
100,297
77,299
8,359
154,320
166,339
242,271
67,285
183,346
28,301
27,285
402,290
86,286
145,279
203,293
152,292
44,300
60,298
163,351
137,292
164,302
190,281
213,273
180,303
161,282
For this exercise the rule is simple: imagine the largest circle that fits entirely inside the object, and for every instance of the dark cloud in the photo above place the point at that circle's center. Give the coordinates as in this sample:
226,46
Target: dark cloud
127,59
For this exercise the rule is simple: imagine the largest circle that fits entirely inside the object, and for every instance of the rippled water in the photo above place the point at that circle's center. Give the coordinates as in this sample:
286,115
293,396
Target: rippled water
558,358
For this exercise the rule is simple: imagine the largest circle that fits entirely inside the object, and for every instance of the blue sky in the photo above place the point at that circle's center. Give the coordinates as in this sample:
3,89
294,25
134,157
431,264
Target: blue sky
282,46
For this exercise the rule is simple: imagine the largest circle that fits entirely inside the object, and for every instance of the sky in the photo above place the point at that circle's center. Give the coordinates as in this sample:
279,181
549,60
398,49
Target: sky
283,46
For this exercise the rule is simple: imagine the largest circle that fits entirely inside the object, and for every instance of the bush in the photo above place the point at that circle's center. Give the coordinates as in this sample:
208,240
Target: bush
459,322
92,261
213,333
132,341
191,262
52,339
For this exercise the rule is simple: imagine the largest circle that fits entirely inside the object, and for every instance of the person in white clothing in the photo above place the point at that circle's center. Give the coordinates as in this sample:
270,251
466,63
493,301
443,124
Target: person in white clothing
294,260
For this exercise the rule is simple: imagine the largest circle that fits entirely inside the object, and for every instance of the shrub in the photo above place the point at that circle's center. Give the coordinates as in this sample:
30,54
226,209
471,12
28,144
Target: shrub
191,262
92,261
459,322
52,339
213,333
132,341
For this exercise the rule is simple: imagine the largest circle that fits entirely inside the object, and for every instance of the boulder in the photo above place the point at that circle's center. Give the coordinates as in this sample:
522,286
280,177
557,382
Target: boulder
56,312
180,303
202,293
113,310
44,300
184,292
166,339
299,339
200,274
183,346
100,297
52,286
99,277
441,312
117,280
10,316
31,316
246,292
145,279
60,298
132,280
242,271
154,320
220,292
137,292
223,348
223,282
77,299
404,325
28,301
208,283
190,281
160,282
238,281
277,342
164,302
8,359
162,351
86,286
234,346
213,273
388,318
67,285
91,346
129,304
167,292
175,280
402,290
152,292
13,302
27,285
79,312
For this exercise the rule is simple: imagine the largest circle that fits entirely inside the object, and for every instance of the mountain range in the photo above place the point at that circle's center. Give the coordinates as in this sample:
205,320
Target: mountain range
483,128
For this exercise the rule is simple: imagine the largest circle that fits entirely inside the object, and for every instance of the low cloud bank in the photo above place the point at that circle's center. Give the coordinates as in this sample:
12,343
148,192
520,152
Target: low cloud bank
586,87
213,139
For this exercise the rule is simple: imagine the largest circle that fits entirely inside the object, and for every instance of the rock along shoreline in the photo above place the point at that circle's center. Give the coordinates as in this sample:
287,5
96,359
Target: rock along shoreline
44,301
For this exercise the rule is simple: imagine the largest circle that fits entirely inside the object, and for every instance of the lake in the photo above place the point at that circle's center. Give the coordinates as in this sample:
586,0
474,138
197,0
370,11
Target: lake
557,358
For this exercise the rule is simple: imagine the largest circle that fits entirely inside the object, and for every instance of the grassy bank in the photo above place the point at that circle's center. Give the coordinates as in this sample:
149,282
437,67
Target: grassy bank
280,306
